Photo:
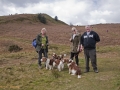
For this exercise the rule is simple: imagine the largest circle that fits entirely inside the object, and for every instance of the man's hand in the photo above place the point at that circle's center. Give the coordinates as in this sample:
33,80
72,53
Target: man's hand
81,47
70,39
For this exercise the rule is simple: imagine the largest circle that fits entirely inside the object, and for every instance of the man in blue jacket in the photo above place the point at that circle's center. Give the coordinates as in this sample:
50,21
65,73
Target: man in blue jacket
88,41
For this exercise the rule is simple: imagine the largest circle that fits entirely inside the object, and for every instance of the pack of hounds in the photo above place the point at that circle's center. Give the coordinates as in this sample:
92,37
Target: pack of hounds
58,61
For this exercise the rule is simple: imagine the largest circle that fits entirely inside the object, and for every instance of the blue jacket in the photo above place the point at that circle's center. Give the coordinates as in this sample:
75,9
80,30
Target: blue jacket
89,41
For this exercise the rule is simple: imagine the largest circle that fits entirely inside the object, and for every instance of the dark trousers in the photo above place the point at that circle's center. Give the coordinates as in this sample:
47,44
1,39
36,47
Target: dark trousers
42,51
76,57
92,55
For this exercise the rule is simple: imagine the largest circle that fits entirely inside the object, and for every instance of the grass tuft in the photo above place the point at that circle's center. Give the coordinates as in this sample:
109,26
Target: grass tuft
55,73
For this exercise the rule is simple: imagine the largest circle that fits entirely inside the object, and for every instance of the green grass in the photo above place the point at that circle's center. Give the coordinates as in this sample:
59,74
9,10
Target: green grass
26,75
107,49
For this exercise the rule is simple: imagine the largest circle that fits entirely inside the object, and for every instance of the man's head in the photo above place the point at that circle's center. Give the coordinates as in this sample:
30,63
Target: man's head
88,28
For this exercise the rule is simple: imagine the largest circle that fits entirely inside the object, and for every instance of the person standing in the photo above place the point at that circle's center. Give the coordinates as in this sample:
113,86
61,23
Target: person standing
75,39
42,45
88,41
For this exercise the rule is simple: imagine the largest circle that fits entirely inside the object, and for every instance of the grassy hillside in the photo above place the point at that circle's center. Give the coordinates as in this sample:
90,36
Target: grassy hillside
19,70
28,18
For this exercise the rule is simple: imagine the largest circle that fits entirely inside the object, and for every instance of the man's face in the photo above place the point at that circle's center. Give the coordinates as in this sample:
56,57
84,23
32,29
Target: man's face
87,29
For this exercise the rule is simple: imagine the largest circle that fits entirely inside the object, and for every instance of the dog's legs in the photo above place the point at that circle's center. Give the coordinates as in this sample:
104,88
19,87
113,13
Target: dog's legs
54,64
59,68
46,66
79,76
69,71
50,67
62,66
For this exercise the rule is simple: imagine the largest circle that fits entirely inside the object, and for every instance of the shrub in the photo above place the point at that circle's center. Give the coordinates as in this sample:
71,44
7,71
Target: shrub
56,18
14,48
41,18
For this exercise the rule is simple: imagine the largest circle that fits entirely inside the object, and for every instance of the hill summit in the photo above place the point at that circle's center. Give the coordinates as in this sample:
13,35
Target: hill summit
29,18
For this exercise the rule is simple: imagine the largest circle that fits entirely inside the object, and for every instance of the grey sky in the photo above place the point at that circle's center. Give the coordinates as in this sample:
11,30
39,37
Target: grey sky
78,12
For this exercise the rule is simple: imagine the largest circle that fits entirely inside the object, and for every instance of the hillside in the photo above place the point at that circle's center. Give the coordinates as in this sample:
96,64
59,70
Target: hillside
16,29
19,70
28,18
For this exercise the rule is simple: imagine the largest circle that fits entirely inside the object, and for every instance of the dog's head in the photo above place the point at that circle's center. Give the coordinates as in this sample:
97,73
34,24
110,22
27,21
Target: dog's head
44,59
55,56
62,56
65,60
69,62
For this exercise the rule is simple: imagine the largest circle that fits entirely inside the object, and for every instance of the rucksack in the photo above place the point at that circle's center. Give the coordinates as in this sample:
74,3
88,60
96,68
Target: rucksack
34,43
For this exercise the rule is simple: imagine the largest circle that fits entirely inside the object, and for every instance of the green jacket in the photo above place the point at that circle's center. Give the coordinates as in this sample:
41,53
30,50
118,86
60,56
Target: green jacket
75,43
39,43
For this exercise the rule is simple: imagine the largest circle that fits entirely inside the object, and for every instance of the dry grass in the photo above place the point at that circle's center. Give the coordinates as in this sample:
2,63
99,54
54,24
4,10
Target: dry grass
19,70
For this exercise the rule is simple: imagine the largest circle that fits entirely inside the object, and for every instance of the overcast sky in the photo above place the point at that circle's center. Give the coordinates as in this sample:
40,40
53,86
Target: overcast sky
77,12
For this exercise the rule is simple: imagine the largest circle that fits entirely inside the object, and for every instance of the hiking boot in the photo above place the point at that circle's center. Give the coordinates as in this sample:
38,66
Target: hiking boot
86,71
40,66
96,71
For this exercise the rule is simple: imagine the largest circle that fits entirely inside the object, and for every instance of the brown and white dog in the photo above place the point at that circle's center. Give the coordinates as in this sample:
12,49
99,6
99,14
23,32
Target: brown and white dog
59,64
65,60
48,63
60,57
58,61
55,56
74,69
